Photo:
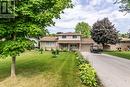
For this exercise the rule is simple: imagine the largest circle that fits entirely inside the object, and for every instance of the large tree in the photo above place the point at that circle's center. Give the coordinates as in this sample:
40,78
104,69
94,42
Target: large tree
83,28
31,19
103,32
124,5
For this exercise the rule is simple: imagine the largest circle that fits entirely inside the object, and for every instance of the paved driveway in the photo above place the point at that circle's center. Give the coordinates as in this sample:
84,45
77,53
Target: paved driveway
113,71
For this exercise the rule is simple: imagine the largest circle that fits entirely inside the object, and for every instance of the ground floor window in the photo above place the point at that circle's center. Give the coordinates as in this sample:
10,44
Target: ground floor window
74,46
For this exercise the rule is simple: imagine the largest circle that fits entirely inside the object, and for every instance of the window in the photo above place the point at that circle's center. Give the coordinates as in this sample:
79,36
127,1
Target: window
50,43
74,36
4,7
63,36
7,7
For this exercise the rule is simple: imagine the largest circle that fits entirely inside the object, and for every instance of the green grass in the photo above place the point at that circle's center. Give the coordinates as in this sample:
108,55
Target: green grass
123,54
41,70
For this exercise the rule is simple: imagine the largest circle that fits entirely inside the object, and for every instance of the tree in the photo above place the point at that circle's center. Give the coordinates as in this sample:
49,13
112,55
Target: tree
31,19
124,35
103,32
83,28
125,5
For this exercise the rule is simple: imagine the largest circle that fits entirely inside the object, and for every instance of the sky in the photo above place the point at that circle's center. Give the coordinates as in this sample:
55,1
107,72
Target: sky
90,11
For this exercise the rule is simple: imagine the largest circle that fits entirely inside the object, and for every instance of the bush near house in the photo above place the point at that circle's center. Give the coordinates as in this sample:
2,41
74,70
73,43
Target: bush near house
55,52
41,50
87,73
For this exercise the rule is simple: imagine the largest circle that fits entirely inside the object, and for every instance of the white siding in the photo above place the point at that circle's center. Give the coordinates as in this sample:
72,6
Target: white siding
69,38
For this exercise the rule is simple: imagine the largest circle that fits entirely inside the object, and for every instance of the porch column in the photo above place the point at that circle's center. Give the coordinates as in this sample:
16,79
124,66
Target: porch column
80,47
68,47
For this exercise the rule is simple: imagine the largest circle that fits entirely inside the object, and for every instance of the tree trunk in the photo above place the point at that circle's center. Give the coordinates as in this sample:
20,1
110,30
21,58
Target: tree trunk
13,67
103,45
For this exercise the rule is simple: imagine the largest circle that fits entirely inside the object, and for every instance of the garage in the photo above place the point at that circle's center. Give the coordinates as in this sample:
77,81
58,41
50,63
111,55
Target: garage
85,47
86,44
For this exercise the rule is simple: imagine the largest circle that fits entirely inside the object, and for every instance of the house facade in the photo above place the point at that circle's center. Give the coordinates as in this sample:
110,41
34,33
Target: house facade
69,41
123,44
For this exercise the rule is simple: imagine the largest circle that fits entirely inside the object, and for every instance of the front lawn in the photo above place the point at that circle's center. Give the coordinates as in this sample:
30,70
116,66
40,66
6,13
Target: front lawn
123,54
41,70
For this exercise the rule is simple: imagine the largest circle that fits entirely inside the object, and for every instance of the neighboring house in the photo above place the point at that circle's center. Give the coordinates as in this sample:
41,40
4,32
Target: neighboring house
124,44
69,41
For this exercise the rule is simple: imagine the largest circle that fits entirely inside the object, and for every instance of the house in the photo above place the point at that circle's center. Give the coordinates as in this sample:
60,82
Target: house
69,41
123,44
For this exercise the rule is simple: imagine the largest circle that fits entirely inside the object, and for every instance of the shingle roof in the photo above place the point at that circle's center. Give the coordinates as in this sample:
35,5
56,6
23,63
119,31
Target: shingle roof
49,38
125,39
69,33
87,41
53,38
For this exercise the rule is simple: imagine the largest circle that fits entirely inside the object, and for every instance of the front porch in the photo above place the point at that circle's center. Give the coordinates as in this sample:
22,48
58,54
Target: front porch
69,46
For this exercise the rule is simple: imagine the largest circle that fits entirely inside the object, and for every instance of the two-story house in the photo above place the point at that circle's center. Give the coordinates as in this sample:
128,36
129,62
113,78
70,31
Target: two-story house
69,41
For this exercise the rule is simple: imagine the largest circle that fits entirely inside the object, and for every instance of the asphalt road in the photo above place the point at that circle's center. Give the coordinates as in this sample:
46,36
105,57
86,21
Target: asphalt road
112,71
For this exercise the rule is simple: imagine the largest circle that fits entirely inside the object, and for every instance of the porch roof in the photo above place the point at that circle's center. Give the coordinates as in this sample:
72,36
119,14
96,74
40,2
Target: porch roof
49,38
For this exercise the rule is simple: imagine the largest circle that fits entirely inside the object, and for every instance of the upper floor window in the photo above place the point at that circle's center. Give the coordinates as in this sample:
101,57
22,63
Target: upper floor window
63,36
74,36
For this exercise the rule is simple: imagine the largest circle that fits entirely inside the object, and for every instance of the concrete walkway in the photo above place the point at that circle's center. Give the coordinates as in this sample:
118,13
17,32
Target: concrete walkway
113,71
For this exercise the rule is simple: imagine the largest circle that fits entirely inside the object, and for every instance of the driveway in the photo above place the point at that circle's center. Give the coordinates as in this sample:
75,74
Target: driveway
112,71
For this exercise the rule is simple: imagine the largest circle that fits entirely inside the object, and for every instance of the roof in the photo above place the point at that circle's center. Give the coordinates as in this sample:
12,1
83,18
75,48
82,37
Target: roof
49,38
68,33
69,41
53,38
87,41
125,39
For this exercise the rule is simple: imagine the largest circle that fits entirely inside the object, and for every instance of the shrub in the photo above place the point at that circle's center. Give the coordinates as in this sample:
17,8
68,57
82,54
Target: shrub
65,50
53,53
88,75
80,59
45,49
41,50
57,51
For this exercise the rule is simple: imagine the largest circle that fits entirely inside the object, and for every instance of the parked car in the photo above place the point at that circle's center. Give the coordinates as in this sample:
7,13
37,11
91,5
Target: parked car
95,49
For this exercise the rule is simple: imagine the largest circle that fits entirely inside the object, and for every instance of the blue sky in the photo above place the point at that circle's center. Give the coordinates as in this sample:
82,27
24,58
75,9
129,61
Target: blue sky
90,11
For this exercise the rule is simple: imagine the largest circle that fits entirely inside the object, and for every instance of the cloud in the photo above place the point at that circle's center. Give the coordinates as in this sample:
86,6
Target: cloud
90,11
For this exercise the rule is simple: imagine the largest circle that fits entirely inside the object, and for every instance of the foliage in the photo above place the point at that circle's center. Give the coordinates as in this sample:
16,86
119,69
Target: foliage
128,33
80,58
124,35
103,32
65,50
55,52
87,73
125,5
83,28
41,50
31,18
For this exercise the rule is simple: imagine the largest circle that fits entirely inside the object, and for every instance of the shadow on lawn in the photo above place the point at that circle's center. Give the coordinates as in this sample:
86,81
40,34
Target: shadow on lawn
32,68
26,69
